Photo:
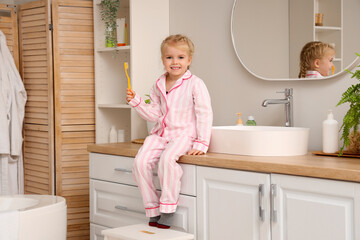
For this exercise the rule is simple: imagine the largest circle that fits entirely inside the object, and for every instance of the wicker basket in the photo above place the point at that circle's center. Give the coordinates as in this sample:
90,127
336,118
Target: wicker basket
319,19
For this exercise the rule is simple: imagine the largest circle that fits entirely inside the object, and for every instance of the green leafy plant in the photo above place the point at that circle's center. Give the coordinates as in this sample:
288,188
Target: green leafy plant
109,9
352,117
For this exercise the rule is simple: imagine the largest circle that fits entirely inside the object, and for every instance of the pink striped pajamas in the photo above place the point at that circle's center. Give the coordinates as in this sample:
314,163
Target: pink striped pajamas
183,121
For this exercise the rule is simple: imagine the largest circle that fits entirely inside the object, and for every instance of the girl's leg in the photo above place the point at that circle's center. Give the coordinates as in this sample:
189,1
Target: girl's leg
170,173
144,164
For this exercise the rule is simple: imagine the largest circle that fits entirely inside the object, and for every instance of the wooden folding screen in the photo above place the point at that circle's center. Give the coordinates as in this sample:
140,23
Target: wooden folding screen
73,39
60,117
36,70
9,26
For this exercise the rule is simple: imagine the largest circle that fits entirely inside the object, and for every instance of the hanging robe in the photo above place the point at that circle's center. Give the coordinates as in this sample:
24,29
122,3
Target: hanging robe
12,109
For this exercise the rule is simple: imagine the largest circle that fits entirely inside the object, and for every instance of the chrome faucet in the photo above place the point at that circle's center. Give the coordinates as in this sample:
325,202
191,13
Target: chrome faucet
288,101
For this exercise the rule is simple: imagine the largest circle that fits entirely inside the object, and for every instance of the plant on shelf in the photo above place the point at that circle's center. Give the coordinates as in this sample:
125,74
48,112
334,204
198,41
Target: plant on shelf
109,9
351,121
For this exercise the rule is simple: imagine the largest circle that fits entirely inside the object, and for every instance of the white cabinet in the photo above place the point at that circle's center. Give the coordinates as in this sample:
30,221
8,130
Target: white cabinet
95,232
230,203
147,25
115,200
309,208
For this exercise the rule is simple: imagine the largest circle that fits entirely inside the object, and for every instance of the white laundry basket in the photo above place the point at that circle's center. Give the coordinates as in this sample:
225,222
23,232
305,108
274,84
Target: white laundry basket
144,232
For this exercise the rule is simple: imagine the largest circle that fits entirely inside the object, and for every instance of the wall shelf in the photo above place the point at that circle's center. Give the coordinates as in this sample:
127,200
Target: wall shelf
327,28
114,105
143,57
124,49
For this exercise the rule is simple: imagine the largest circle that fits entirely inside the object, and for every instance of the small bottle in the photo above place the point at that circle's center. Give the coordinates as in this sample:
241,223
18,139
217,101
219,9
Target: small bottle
120,32
239,121
250,121
330,134
112,135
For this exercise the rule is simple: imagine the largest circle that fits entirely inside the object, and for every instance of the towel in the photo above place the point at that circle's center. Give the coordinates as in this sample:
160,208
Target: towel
9,225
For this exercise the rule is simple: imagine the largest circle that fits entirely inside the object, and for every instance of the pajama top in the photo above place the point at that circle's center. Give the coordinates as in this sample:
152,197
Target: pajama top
184,111
313,74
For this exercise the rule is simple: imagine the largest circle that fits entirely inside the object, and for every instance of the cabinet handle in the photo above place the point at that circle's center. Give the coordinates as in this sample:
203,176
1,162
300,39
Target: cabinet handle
123,170
273,193
128,171
261,209
126,209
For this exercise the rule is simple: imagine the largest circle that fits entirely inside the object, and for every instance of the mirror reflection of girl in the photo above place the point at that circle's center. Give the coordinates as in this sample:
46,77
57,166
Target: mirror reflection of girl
316,60
181,107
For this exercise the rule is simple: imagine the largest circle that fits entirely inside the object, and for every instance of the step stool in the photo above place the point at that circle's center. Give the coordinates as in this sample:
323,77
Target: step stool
144,232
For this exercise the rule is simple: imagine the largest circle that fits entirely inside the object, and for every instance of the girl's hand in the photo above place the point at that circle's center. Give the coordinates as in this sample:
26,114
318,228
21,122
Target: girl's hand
130,94
195,152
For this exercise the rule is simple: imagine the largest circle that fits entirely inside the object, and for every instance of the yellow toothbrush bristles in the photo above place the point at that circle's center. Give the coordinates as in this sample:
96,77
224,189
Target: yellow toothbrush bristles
126,68
333,70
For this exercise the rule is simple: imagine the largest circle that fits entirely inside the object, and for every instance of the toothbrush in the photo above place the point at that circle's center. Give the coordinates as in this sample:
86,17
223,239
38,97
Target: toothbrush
126,66
333,70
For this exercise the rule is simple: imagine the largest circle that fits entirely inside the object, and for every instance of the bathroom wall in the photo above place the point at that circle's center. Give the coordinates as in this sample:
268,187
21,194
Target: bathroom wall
233,89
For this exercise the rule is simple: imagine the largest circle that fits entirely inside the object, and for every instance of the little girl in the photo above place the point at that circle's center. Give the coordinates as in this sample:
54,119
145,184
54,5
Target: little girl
316,60
181,107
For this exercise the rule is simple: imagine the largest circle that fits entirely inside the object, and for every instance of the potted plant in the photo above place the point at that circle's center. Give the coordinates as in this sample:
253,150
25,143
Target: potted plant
351,121
109,9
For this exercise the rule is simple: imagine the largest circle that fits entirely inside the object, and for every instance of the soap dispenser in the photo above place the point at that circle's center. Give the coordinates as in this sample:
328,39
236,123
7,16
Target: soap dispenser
330,134
250,121
239,121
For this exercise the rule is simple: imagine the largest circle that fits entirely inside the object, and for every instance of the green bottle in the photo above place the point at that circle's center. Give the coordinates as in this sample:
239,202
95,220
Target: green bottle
250,121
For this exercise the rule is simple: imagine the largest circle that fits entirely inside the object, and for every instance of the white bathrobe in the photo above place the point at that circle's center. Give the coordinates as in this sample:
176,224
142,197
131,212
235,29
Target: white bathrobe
12,109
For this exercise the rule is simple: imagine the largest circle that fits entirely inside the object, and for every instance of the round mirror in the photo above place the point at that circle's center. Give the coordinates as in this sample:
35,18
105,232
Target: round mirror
268,35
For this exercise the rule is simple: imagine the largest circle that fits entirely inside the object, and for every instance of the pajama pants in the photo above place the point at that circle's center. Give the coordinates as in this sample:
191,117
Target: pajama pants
158,150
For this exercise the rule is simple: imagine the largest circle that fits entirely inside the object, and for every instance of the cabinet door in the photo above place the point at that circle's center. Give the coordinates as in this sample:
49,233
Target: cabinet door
229,203
309,208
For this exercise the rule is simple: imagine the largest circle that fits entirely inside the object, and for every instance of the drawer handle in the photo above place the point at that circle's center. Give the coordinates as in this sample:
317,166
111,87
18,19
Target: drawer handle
123,170
128,171
273,194
261,209
126,209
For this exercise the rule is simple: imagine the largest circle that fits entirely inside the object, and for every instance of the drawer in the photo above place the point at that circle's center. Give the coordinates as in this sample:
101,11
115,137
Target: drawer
95,232
116,205
118,169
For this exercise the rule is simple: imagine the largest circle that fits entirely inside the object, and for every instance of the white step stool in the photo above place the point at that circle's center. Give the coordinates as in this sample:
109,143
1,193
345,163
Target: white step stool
144,232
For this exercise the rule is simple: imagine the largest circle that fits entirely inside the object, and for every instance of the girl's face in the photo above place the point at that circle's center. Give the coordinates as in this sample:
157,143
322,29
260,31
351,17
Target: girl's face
325,64
176,61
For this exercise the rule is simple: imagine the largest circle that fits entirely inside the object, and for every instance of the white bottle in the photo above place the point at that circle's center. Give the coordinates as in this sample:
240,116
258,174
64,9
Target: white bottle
120,32
330,134
112,135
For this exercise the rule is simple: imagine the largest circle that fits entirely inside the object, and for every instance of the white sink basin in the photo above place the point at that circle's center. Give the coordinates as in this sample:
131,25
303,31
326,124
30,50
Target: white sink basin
259,140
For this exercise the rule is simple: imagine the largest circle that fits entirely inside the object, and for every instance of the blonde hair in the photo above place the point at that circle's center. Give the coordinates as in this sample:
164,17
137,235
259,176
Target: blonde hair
181,41
310,52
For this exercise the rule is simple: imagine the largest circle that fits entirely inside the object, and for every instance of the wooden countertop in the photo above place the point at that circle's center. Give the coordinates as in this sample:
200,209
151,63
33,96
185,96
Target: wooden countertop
337,168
